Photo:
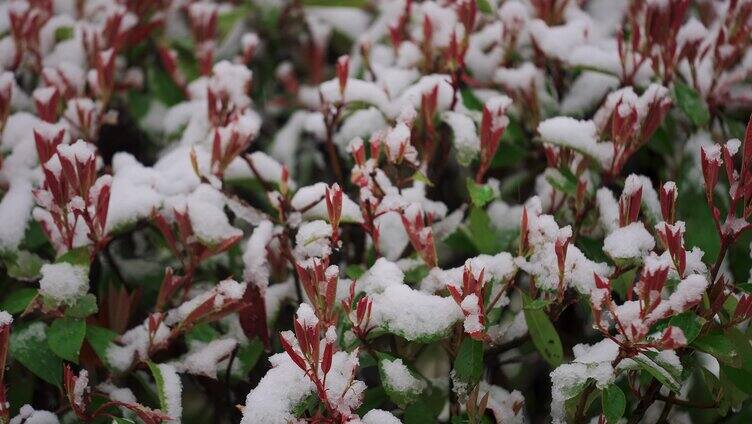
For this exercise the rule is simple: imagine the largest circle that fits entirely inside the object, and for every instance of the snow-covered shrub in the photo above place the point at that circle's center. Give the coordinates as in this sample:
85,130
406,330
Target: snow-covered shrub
375,211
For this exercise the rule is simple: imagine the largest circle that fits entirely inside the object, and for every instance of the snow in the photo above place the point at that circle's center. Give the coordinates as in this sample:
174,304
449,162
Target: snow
590,362
413,314
15,208
306,316
630,242
575,134
466,140
692,31
28,415
379,416
578,269
382,274
133,191
312,199
279,391
5,318
559,41
80,388
312,240
503,403
255,256
608,208
134,345
205,359
400,378
524,78
499,267
64,282
173,391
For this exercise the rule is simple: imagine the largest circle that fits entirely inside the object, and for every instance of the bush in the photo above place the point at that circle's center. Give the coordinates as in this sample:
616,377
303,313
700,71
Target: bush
386,211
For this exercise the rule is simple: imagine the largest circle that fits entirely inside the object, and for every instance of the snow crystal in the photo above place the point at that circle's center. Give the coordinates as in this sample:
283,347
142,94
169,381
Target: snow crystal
28,415
15,208
5,318
312,201
382,274
503,404
578,135
64,282
608,208
379,416
399,377
255,257
466,139
632,241
204,359
209,221
414,314
312,240
173,391
283,387
591,362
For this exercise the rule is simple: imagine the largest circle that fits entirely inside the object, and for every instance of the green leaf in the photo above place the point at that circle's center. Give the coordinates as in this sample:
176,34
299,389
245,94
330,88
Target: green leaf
420,176
485,7
742,346
63,33
248,355
537,304
202,333
543,333
470,100
78,256
28,345
307,405
564,182
372,399
23,265
163,87
691,103
100,339
667,376
613,402
159,382
468,364
482,235
741,378
480,194
226,21
118,420
354,271
418,413
65,336
689,322
84,306
17,301
716,344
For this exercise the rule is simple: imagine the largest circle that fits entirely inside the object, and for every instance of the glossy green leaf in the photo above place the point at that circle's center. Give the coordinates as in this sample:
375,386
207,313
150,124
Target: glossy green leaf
543,333
28,345
613,402
667,376
691,103
480,194
468,364
100,338
83,307
23,265
65,336
17,301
